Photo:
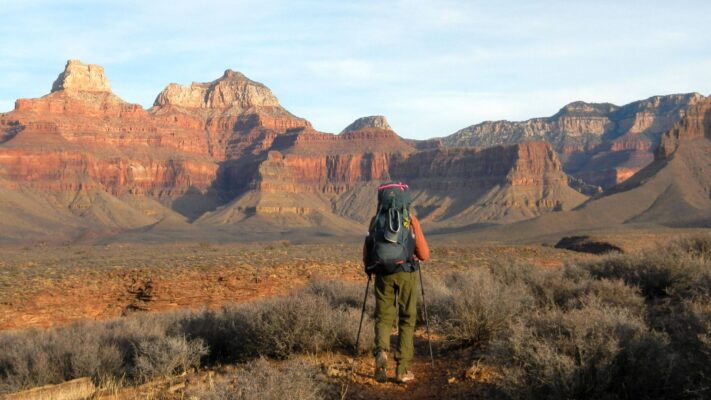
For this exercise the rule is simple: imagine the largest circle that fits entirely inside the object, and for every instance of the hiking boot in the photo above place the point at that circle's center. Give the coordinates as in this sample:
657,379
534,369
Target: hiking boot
381,367
405,377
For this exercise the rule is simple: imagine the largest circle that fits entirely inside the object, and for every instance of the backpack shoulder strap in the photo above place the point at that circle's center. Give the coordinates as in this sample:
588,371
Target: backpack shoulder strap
373,221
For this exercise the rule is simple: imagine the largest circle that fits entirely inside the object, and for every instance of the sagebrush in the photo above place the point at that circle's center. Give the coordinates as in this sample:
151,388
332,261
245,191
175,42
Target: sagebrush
624,326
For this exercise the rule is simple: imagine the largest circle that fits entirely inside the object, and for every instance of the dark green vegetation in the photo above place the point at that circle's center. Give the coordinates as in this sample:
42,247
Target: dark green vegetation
624,326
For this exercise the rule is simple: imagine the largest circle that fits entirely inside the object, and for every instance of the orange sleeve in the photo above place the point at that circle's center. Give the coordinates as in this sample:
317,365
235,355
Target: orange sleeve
422,250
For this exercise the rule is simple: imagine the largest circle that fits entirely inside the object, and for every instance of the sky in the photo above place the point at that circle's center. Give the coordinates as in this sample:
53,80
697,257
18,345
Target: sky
431,67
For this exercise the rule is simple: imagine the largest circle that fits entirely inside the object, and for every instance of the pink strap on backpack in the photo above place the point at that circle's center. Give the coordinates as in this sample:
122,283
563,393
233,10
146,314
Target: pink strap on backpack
400,185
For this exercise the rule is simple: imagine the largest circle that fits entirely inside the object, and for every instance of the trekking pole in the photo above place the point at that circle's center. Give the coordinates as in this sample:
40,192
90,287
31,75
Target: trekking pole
427,322
362,314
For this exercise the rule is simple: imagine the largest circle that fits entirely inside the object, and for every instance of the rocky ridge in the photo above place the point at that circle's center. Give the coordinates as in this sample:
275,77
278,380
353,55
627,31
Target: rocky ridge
673,191
79,77
600,144
371,122
232,90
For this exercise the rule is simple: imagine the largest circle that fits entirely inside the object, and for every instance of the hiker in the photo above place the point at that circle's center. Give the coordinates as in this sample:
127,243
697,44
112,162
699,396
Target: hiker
392,250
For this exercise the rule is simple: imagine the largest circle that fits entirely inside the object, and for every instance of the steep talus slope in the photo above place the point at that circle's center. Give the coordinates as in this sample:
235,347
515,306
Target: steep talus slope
600,144
458,187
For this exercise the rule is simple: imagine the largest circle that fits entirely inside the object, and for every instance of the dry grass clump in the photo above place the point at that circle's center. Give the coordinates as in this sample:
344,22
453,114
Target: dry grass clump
262,380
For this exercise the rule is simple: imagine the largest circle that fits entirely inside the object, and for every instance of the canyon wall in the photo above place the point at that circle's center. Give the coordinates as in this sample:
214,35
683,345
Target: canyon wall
226,152
601,144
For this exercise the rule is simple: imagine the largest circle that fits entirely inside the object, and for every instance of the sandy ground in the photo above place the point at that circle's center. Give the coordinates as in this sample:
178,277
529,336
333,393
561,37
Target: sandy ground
48,286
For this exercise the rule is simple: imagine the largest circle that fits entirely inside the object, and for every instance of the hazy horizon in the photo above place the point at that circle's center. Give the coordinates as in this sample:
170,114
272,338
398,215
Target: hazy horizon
430,67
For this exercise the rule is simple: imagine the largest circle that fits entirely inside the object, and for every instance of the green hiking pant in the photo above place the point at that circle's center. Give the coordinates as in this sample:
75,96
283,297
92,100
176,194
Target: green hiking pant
396,292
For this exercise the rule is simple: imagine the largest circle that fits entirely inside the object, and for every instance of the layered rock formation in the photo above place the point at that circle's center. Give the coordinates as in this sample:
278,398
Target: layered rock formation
236,113
600,144
674,190
312,176
232,91
81,136
461,186
82,161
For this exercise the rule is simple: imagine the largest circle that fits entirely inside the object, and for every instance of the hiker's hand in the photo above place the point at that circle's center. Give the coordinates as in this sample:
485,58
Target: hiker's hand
369,269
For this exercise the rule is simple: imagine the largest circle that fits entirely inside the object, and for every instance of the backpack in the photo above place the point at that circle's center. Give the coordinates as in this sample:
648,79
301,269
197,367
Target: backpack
392,241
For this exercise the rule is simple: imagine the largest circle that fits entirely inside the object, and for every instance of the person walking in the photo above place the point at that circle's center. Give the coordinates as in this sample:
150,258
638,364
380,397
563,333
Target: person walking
392,251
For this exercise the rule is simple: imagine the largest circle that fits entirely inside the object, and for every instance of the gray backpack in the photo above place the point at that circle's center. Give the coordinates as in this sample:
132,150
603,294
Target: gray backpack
393,242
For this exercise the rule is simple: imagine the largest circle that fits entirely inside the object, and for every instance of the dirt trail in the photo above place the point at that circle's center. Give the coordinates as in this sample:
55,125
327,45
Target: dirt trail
445,381
451,377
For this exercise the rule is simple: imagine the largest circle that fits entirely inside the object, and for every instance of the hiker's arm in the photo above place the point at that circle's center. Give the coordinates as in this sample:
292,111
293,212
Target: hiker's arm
422,250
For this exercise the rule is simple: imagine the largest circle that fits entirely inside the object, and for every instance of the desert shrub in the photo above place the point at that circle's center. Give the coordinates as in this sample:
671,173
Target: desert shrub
573,287
163,356
148,345
35,357
696,246
475,307
681,270
315,319
557,288
339,293
281,327
133,347
594,351
613,293
512,272
262,380
688,324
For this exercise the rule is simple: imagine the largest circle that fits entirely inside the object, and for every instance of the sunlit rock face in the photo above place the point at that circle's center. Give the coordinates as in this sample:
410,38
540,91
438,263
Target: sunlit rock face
227,148
601,144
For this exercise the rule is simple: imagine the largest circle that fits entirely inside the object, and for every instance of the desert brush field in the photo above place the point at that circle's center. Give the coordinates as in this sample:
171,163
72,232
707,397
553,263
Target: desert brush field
278,321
